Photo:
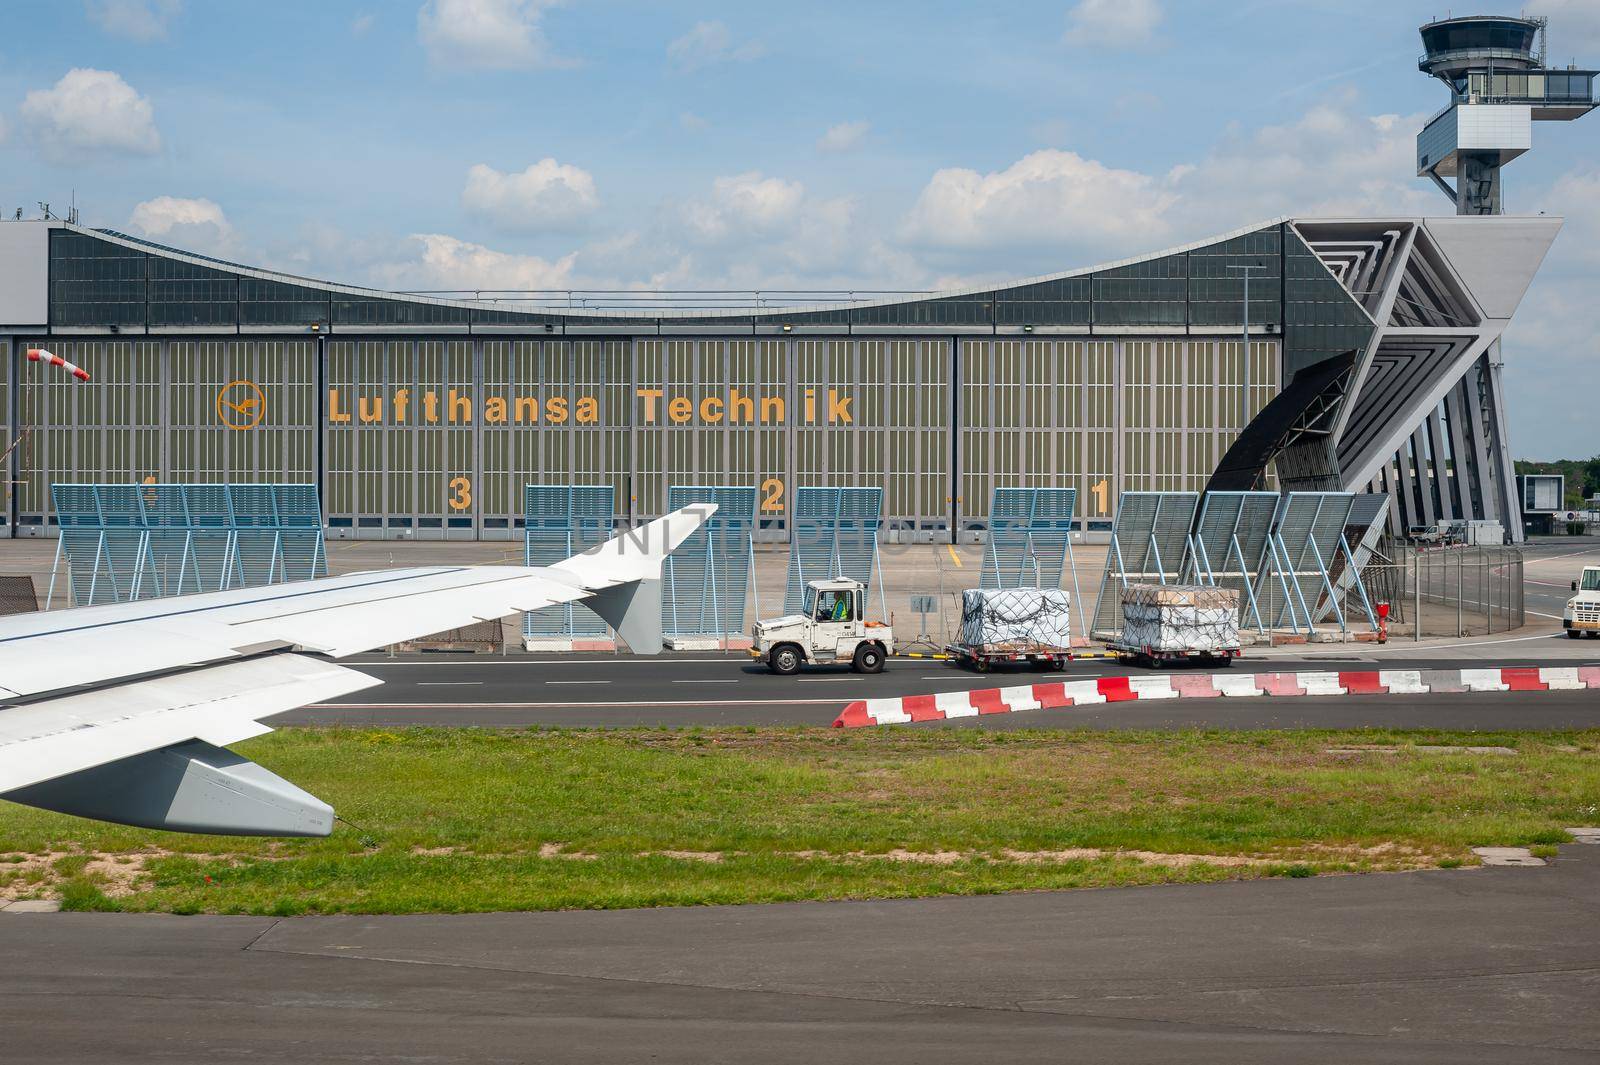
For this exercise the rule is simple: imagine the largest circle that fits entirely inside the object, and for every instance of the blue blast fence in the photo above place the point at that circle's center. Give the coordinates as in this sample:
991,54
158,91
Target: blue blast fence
834,533
711,575
124,542
563,520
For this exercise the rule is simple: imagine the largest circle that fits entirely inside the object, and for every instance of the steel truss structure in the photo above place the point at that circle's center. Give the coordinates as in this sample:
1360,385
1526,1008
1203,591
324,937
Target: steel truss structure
124,542
1424,418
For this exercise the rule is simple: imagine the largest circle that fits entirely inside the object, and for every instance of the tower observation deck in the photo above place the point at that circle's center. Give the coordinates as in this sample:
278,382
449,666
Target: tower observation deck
1500,84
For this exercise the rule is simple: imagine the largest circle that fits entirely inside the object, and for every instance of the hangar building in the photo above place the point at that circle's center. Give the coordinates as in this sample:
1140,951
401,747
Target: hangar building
423,415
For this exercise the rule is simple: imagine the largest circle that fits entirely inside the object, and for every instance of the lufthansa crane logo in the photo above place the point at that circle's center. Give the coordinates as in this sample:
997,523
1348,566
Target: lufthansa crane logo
241,405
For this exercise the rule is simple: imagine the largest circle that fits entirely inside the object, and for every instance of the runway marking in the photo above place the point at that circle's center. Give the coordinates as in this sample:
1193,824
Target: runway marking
529,660
448,683
953,556
1402,646
688,704
577,682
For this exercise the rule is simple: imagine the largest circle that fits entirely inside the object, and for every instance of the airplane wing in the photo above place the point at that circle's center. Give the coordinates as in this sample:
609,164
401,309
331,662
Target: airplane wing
122,712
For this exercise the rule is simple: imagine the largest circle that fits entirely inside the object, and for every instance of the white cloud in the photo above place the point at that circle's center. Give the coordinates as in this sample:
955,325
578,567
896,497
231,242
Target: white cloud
446,262
1113,23
843,137
546,195
1333,160
191,224
1554,340
137,20
744,204
693,122
1048,196
89,112
485,34
362,25
709,43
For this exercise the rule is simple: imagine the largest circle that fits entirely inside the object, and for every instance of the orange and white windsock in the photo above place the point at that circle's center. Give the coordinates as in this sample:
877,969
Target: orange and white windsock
41,355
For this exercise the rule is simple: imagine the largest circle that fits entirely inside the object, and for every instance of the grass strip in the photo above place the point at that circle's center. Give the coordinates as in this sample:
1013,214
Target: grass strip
460,820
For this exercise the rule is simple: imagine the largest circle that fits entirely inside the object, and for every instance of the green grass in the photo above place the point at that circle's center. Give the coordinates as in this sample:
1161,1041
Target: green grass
468,820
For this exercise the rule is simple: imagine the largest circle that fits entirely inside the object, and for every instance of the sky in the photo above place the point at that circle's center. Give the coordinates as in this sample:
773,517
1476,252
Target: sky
529,144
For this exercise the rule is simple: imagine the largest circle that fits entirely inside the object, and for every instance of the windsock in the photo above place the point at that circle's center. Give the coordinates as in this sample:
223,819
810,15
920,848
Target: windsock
41,355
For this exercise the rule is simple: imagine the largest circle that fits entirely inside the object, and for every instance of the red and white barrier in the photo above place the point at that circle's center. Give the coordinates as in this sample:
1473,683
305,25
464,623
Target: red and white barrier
41,355
1229,685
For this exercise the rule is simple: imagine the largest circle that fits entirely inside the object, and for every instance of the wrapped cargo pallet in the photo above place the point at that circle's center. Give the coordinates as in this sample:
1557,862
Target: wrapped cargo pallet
1185,618
1016,619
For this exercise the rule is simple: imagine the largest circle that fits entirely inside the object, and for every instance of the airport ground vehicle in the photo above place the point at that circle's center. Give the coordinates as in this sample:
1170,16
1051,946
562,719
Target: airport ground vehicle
831,628
1582,613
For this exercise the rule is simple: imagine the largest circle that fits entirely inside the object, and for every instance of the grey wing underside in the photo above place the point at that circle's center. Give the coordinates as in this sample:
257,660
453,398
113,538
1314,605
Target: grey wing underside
123,712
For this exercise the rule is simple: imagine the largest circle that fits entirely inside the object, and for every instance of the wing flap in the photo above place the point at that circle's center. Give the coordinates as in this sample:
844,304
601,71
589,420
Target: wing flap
347,629
219,704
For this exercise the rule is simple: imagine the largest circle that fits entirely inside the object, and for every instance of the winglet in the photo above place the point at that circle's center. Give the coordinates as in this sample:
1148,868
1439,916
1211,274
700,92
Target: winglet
624,573
636,554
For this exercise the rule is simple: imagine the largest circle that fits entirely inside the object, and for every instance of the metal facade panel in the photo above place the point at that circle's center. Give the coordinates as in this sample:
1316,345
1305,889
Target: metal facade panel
708,578
25,273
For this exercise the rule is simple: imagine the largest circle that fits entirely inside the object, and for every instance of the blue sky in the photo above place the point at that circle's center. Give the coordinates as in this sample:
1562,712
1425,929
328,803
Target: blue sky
524,144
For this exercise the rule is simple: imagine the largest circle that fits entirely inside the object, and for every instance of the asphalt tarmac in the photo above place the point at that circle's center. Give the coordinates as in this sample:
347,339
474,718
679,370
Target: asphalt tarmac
1442,966
698,690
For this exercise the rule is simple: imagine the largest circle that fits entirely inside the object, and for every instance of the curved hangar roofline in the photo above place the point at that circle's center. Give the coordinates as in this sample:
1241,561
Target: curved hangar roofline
647,315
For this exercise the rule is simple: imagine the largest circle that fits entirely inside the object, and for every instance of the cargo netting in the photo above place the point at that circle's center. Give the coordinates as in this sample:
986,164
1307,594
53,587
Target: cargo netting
1179,618
1016,619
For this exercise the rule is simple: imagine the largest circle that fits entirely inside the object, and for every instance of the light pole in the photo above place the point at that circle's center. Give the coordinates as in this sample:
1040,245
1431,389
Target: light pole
1244,399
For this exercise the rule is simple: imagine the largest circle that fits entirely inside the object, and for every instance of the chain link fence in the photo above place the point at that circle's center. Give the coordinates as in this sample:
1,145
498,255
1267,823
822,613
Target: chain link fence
1447,591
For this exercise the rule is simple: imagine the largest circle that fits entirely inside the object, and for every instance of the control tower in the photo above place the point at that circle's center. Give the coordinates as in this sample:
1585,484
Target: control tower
1500,85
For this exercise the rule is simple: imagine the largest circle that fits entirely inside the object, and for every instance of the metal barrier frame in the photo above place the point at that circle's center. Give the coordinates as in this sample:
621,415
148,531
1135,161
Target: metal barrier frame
1199,567
1330,511
735,520
819,517
1044,514
150,514
559,521
1165,511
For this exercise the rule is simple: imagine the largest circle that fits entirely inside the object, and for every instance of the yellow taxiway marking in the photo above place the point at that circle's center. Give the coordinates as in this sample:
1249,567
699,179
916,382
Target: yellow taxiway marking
953,556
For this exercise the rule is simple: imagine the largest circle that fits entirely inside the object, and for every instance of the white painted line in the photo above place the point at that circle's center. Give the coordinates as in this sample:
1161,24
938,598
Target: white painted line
449,683
596,704
531,659
577,682
705,682
1403,647
829,680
